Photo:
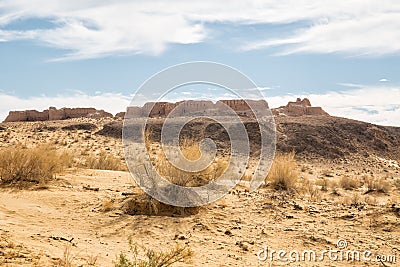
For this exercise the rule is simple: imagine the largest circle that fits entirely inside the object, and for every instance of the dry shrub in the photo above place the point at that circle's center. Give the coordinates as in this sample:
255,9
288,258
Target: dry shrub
312,190
283,174
153,258
349,183
324,183
104,161
334,188
144,204
66,158
377,184
354,199
70,259
38,164
190,151
67,258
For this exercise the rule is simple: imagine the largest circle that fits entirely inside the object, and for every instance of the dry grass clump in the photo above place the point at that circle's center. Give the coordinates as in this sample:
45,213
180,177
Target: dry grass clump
377,184
104,161
335,189
194,179
312,190
352,200
349,183
283,174
38,164
153,258
190,151
144,204
70,259
324,183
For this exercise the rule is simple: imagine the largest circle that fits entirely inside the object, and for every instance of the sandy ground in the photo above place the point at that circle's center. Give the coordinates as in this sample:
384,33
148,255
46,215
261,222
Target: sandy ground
227,233
44,226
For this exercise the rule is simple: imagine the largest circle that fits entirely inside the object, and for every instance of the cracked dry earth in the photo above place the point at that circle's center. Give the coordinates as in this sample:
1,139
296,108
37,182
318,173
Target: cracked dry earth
37,226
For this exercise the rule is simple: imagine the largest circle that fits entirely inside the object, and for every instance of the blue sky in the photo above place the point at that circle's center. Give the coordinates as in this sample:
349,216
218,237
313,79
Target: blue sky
343,55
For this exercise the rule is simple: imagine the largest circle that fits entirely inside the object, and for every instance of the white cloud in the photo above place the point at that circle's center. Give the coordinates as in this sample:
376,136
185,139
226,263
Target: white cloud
374,34
384,80
260,89
379,105
88,28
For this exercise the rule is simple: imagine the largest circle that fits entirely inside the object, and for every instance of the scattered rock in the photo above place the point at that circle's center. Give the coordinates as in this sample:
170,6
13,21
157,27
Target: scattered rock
228,232
242,245
395,209
180,237
91,188
297,206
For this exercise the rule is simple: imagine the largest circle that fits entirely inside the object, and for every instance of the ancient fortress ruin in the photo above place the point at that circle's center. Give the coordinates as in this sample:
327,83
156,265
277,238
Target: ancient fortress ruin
299,108
182,108
56,114
241,107
193,107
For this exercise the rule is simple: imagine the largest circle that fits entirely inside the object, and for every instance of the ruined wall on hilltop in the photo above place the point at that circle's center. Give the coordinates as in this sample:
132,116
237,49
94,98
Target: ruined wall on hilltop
316,111
85,112
54,114
27,115
16,116
192,107
299,108
163,109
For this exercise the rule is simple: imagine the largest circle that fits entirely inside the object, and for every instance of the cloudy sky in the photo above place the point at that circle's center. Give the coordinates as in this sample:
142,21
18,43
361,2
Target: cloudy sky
342,54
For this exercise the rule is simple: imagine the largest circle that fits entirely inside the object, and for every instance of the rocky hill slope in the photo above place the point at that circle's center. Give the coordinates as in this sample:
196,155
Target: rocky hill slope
309,136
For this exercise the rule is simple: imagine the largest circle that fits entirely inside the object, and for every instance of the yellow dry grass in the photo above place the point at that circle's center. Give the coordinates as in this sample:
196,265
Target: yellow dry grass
283,174
37,164
104,161
190,150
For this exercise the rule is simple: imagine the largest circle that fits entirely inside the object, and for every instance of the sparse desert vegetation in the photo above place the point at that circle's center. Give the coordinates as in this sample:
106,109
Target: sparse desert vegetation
104,161
284,172
152,257
379,185
91,204
349,183
37,164
191,151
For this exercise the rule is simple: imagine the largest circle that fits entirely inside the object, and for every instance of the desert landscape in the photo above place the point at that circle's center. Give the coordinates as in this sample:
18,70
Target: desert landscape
68,199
